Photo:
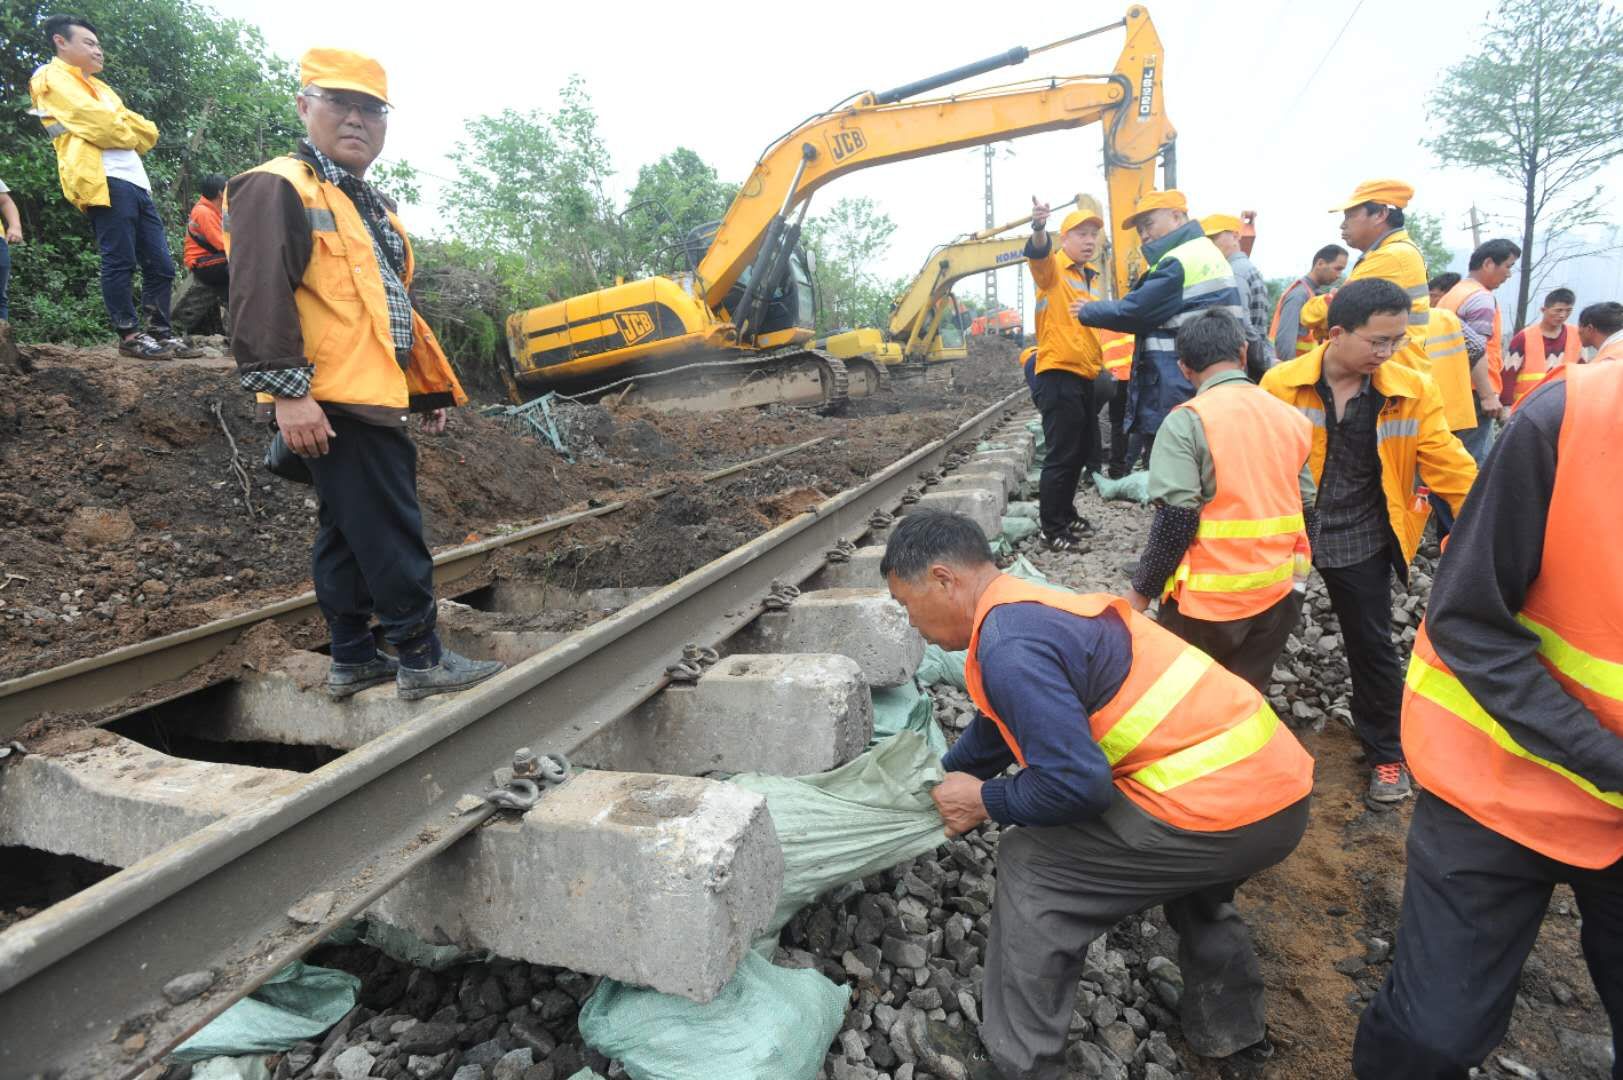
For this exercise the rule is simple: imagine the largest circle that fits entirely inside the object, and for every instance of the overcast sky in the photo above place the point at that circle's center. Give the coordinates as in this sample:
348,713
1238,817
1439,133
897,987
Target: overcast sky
1270,117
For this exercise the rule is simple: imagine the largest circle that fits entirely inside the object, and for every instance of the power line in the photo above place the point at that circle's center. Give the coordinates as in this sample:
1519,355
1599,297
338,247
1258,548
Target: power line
1302,93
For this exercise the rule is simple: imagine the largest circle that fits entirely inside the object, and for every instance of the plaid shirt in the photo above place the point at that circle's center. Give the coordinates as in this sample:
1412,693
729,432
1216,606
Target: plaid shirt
1351,504
390,251
1259,313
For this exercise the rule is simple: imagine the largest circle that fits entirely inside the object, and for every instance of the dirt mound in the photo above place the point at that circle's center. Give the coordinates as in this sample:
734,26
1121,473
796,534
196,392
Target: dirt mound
125,517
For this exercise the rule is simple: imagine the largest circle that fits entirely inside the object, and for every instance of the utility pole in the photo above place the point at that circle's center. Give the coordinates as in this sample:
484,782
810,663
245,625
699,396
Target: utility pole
991,275
1476,228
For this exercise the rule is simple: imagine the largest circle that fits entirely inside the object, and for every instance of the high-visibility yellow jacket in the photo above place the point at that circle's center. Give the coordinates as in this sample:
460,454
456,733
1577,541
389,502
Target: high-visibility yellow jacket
1063,344
1450,368
83,116
1394,258
1411,438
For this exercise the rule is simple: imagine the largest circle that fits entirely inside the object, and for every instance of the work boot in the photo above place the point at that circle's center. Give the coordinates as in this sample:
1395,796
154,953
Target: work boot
1389,784
1116,471
454,672
1079,526
347,680
143,347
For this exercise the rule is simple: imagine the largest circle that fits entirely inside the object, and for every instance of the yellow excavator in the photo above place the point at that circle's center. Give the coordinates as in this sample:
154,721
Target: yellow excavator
925,324
736,329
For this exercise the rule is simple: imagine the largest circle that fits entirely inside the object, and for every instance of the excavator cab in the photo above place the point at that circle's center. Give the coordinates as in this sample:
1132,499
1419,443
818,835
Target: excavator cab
790,314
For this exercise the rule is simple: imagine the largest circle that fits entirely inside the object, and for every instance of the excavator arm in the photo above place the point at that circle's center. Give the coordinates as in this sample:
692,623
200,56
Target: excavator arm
881,128
947,265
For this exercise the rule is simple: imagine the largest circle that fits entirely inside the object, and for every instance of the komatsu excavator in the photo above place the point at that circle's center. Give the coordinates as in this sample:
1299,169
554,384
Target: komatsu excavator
736,329
924,325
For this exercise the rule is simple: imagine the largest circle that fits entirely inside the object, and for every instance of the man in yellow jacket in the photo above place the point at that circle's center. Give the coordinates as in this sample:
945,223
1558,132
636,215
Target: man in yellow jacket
1372,222
323,329
1380,443
99,144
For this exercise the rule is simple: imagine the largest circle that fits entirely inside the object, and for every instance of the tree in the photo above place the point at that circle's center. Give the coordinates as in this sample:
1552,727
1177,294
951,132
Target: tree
673,196
1426,230
1536,104
844,243
222,103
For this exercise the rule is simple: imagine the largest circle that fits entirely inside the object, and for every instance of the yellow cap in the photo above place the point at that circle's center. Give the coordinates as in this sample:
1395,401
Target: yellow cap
1212,224
1080,217
1386,192
340,69
1170,199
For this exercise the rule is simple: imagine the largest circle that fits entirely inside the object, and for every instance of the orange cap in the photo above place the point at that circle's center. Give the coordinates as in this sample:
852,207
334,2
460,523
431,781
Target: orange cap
1081,217
1386,192
340,69
1212,224
1170,199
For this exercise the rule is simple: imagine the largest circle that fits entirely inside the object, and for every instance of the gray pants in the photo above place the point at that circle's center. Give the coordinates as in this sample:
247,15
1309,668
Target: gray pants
1060,887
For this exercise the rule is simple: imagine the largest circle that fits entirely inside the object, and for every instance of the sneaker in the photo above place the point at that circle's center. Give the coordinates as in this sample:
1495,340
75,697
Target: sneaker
1079,526
454,672
346,680
143,347
1389,783
181,347
1064,542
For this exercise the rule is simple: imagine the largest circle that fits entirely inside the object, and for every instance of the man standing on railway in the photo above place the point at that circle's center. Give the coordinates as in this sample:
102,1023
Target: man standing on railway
1187,275
1290,338
1069,360
1150,775
1513,724
323,329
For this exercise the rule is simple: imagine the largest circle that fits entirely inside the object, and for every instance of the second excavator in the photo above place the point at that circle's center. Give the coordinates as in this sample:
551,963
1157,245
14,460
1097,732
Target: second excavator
736,328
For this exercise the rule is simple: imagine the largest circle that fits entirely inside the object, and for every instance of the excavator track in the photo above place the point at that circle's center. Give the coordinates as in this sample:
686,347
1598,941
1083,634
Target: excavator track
798,377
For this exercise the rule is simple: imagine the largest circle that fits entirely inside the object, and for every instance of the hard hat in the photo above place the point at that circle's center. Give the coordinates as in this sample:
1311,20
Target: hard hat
1081,217
1212,224
340,69
1386,192
1170,199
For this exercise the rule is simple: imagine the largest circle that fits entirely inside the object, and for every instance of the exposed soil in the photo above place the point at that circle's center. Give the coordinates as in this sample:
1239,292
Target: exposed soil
1343,886
125,517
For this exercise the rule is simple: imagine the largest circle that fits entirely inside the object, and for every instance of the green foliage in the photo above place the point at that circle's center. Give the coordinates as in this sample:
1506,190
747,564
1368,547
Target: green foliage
1535,103
532,188
845,242
222,103
1426,230
672,197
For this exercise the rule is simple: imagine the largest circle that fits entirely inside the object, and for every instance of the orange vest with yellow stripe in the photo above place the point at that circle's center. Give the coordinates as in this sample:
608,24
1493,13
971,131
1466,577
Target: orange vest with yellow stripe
1495,355
344,313
1118,353
1535,364
1188,742
1252,540
1575,608
1305,340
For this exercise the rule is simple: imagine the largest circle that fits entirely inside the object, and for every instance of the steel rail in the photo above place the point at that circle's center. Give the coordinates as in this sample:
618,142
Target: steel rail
81,983
98,682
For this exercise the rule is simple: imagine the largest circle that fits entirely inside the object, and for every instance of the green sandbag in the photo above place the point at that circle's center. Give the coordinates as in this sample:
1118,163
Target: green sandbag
1134,487
250,1067
1039,445
940,667
905,708
1018,528
993,446
297,1003
1022,510
586,1074
767,1021
866,816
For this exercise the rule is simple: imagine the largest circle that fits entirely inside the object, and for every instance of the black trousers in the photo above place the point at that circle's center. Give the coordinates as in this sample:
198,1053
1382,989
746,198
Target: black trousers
1361,597
1061,886
1070,428
1248,647
370,557
1472,904
1117,415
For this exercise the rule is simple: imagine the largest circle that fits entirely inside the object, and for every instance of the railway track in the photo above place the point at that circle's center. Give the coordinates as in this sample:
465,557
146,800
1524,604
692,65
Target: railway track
109,980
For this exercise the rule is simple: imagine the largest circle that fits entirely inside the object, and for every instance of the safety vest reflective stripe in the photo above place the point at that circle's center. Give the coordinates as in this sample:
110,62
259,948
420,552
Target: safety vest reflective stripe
1249,530
1220,751
1232,583
1530,377
1445,691
55,130
1314,416
1593,673
321,220
1397,429
1145,714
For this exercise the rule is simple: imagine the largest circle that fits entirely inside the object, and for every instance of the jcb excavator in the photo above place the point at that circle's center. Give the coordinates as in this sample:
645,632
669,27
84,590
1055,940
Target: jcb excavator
926,310
735,330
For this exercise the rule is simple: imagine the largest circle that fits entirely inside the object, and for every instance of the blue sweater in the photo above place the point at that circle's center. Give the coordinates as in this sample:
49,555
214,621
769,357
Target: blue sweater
1045,672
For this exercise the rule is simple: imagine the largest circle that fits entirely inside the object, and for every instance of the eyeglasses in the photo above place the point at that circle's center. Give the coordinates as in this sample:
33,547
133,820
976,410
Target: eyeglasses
1378,346
369,108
